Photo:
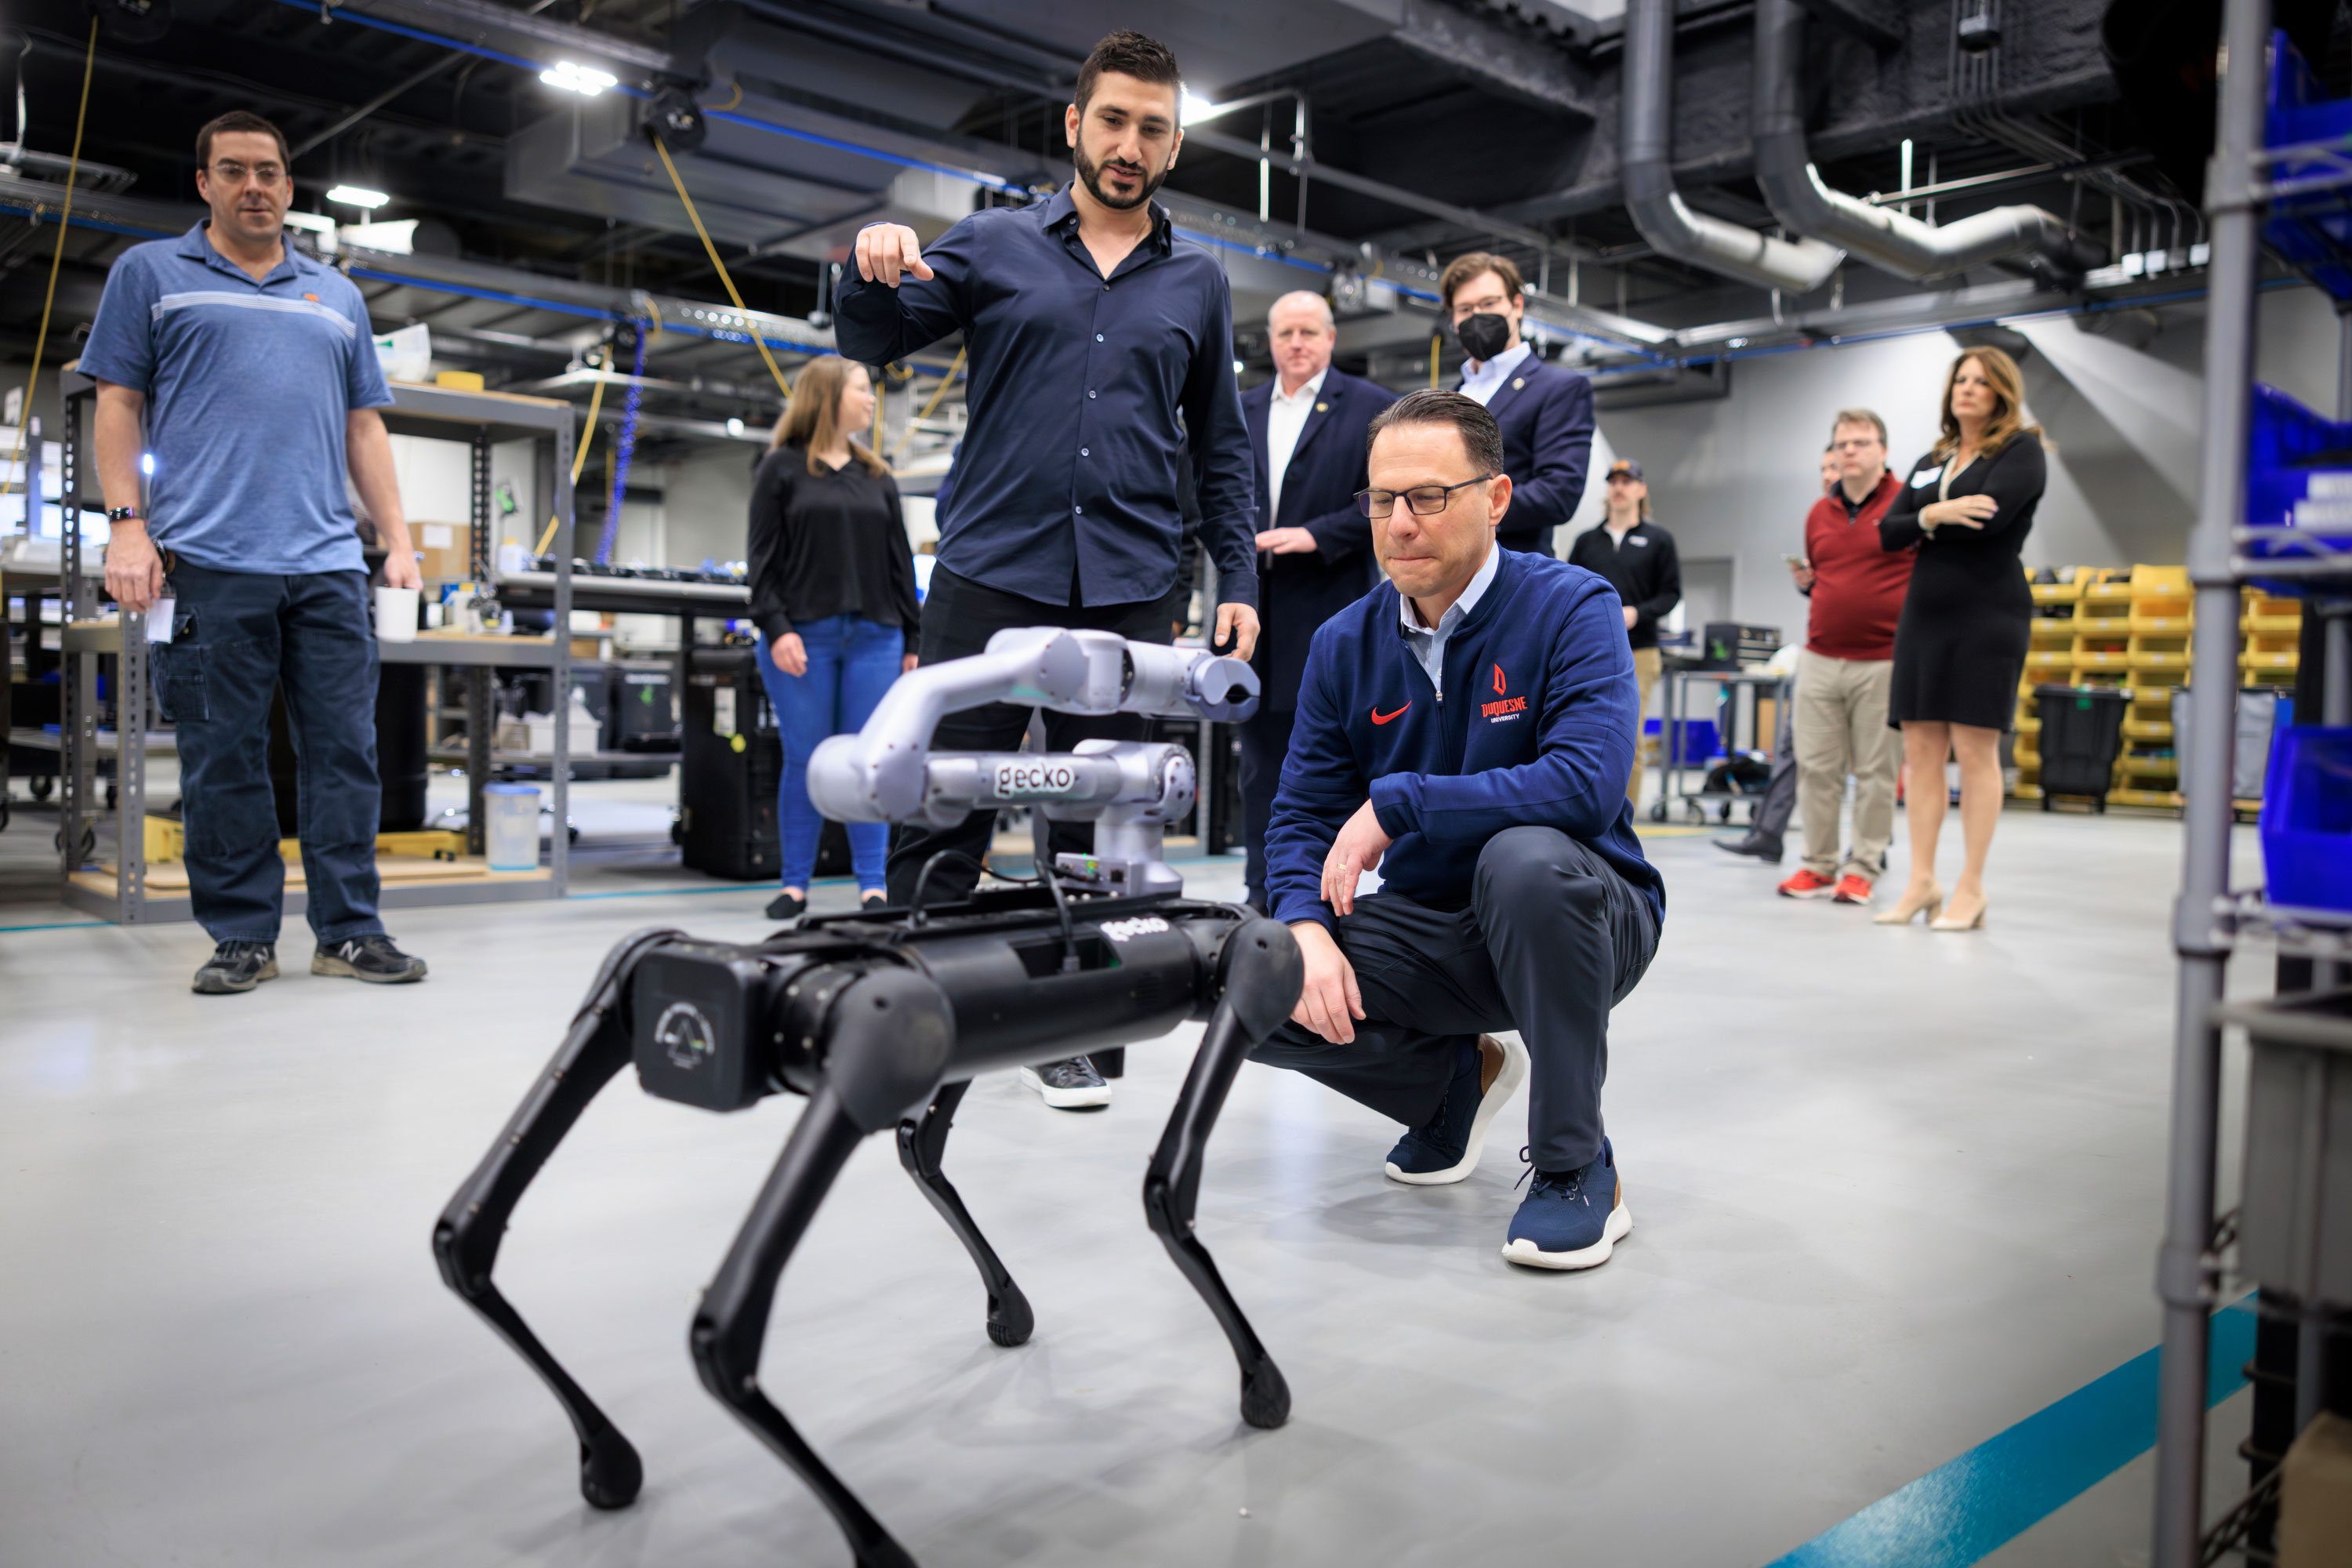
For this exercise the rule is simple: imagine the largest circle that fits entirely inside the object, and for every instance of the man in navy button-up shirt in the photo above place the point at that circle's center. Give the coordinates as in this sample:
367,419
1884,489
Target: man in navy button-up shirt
1101,355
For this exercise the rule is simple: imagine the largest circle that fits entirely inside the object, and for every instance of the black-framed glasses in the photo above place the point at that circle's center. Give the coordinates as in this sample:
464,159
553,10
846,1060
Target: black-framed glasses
1426,500
266,176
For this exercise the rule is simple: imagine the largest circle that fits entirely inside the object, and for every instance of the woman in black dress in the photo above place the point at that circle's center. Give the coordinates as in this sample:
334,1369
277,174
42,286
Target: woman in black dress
1959,648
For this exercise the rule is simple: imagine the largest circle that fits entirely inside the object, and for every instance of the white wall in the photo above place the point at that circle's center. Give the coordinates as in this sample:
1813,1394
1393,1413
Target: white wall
2120,403
708,501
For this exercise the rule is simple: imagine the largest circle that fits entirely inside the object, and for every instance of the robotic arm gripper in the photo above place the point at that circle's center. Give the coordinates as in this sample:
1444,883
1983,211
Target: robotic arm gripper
1131,790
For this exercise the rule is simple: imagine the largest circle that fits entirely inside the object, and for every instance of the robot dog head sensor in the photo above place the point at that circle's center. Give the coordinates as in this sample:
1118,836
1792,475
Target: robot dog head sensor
685,1036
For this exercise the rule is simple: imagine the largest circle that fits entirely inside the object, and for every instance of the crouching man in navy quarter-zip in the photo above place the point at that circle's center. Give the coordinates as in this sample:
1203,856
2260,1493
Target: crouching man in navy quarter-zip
1466,728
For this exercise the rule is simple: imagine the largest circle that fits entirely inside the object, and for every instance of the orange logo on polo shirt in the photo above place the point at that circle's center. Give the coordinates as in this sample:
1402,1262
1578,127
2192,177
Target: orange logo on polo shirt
312,297
1502,707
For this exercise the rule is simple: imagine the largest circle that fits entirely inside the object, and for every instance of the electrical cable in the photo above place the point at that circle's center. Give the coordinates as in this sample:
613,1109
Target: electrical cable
725,278
625,448
1053,885
48,300
579,457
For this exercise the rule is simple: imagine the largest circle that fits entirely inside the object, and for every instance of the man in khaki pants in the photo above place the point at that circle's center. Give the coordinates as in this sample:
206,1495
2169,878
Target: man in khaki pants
1848,663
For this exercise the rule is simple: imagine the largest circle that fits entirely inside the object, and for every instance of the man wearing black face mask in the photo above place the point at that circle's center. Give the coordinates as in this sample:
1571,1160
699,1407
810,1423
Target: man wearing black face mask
1545,411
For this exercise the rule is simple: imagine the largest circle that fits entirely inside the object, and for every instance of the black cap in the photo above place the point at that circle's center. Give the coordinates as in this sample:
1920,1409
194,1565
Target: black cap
1627,467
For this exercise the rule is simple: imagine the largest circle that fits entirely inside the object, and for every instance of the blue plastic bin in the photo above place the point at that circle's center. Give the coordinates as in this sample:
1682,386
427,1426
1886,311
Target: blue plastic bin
2314,231
1700,741
2307,822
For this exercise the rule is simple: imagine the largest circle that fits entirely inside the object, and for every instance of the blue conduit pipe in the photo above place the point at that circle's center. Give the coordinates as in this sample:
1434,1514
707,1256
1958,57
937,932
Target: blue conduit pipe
625,449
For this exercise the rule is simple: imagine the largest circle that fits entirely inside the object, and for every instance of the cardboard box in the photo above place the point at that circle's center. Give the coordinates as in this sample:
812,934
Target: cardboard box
444,551
2315,1522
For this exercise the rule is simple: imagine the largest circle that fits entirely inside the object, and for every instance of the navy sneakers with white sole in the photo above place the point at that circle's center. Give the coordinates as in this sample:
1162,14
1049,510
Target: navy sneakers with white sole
1071,1085
1571,1219
1447,1150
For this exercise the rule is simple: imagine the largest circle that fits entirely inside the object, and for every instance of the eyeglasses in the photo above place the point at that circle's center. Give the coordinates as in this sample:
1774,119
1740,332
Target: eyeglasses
266,176
1426,500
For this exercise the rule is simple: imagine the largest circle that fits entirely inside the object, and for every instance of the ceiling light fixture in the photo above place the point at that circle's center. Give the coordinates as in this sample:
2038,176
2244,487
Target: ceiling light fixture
357,196
585,81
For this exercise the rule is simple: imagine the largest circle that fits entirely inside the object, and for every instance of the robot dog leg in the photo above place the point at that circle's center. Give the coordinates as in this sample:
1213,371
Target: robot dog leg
922,1141
466,1241
1261,967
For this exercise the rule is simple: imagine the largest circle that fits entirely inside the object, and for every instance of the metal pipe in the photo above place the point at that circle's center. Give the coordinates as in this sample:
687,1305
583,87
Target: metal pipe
1658,211
1888,240
2181,1282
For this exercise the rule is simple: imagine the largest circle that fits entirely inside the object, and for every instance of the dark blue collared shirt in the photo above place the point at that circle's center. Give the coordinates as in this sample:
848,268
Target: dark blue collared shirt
1084,392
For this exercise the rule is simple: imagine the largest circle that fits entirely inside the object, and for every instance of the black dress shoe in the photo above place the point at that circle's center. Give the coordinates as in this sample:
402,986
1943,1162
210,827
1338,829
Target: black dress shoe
1755,845
787,906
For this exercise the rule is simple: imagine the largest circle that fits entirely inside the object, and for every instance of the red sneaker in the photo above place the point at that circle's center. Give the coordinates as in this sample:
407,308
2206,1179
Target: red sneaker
1805,885
1852,890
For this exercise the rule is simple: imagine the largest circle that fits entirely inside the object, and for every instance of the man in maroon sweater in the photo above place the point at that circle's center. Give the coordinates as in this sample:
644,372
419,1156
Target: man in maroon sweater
1848,663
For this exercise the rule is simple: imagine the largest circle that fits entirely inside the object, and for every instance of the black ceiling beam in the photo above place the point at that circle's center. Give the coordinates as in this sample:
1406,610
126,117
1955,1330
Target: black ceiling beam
1878,22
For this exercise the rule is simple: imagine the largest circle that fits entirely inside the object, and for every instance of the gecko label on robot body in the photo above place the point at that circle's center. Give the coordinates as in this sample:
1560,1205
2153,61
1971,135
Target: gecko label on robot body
1119,931
1034,778
685,1036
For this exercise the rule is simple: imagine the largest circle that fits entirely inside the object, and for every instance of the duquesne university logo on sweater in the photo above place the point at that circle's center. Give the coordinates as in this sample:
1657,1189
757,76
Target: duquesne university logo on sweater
1504,708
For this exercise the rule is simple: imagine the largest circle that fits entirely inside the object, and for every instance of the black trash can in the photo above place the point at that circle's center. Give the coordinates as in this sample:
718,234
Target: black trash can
2081,735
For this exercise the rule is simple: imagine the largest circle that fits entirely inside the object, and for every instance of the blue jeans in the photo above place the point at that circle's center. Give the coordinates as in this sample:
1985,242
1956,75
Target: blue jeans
235,635
851,663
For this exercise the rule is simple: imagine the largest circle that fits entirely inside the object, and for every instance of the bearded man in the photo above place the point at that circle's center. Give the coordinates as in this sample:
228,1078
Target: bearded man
1101,379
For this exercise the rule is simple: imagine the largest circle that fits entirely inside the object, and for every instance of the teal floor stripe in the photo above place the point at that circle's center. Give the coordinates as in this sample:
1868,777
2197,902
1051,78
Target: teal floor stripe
1962,1512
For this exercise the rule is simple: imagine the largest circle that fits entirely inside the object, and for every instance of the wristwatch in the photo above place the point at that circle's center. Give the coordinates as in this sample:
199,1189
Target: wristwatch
125,514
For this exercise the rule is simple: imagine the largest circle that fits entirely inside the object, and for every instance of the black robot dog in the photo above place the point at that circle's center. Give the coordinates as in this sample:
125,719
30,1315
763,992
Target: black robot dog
882,1020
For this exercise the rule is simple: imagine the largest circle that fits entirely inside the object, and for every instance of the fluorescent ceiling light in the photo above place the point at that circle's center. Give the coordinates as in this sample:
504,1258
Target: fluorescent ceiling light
399,237
357,196
585,81
1190,108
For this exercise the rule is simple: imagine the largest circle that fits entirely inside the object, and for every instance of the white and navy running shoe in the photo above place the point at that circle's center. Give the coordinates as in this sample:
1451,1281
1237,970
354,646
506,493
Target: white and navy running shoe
1571,1219
1446,1149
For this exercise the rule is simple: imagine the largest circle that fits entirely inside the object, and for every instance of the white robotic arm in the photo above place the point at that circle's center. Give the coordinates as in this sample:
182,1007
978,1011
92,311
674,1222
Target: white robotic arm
1132,790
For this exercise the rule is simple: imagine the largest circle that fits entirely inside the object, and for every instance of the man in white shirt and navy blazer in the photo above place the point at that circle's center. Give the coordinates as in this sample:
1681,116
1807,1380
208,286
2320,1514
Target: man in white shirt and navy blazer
1545,411
1309,428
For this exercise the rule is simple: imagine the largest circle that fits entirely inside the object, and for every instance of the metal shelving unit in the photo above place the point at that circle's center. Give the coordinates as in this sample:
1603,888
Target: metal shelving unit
2209,920
437,412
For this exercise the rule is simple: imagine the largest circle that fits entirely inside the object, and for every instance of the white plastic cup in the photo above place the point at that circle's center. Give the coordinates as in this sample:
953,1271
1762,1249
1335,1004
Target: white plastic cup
510,831
396,615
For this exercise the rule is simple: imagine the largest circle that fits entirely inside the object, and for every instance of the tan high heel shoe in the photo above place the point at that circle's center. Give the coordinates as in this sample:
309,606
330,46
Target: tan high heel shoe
1905,911
1974,923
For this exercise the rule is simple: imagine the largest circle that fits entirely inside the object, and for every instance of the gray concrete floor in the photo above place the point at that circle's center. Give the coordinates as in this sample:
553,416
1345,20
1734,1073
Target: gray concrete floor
1894,1191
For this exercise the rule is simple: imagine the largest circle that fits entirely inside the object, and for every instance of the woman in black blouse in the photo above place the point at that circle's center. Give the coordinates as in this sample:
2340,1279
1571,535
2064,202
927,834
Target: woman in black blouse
833,591
1959,647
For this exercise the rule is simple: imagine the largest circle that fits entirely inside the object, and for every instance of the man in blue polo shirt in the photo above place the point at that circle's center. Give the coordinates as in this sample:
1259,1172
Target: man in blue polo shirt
1466,728
253,370
1102,362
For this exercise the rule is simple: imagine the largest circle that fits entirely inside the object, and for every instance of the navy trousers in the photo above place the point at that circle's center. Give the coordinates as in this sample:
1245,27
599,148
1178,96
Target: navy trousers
235,635
1265,741
1553,940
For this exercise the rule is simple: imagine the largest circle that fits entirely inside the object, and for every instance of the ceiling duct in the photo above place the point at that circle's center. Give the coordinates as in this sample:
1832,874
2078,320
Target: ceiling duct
1658,211
1885,238
836,165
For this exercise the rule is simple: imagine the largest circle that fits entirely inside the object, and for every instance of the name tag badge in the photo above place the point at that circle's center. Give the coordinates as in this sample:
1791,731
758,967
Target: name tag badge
158,620
1926,477
1637,540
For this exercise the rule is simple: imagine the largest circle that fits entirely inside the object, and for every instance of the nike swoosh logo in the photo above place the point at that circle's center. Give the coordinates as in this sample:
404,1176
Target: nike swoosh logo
1380,718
